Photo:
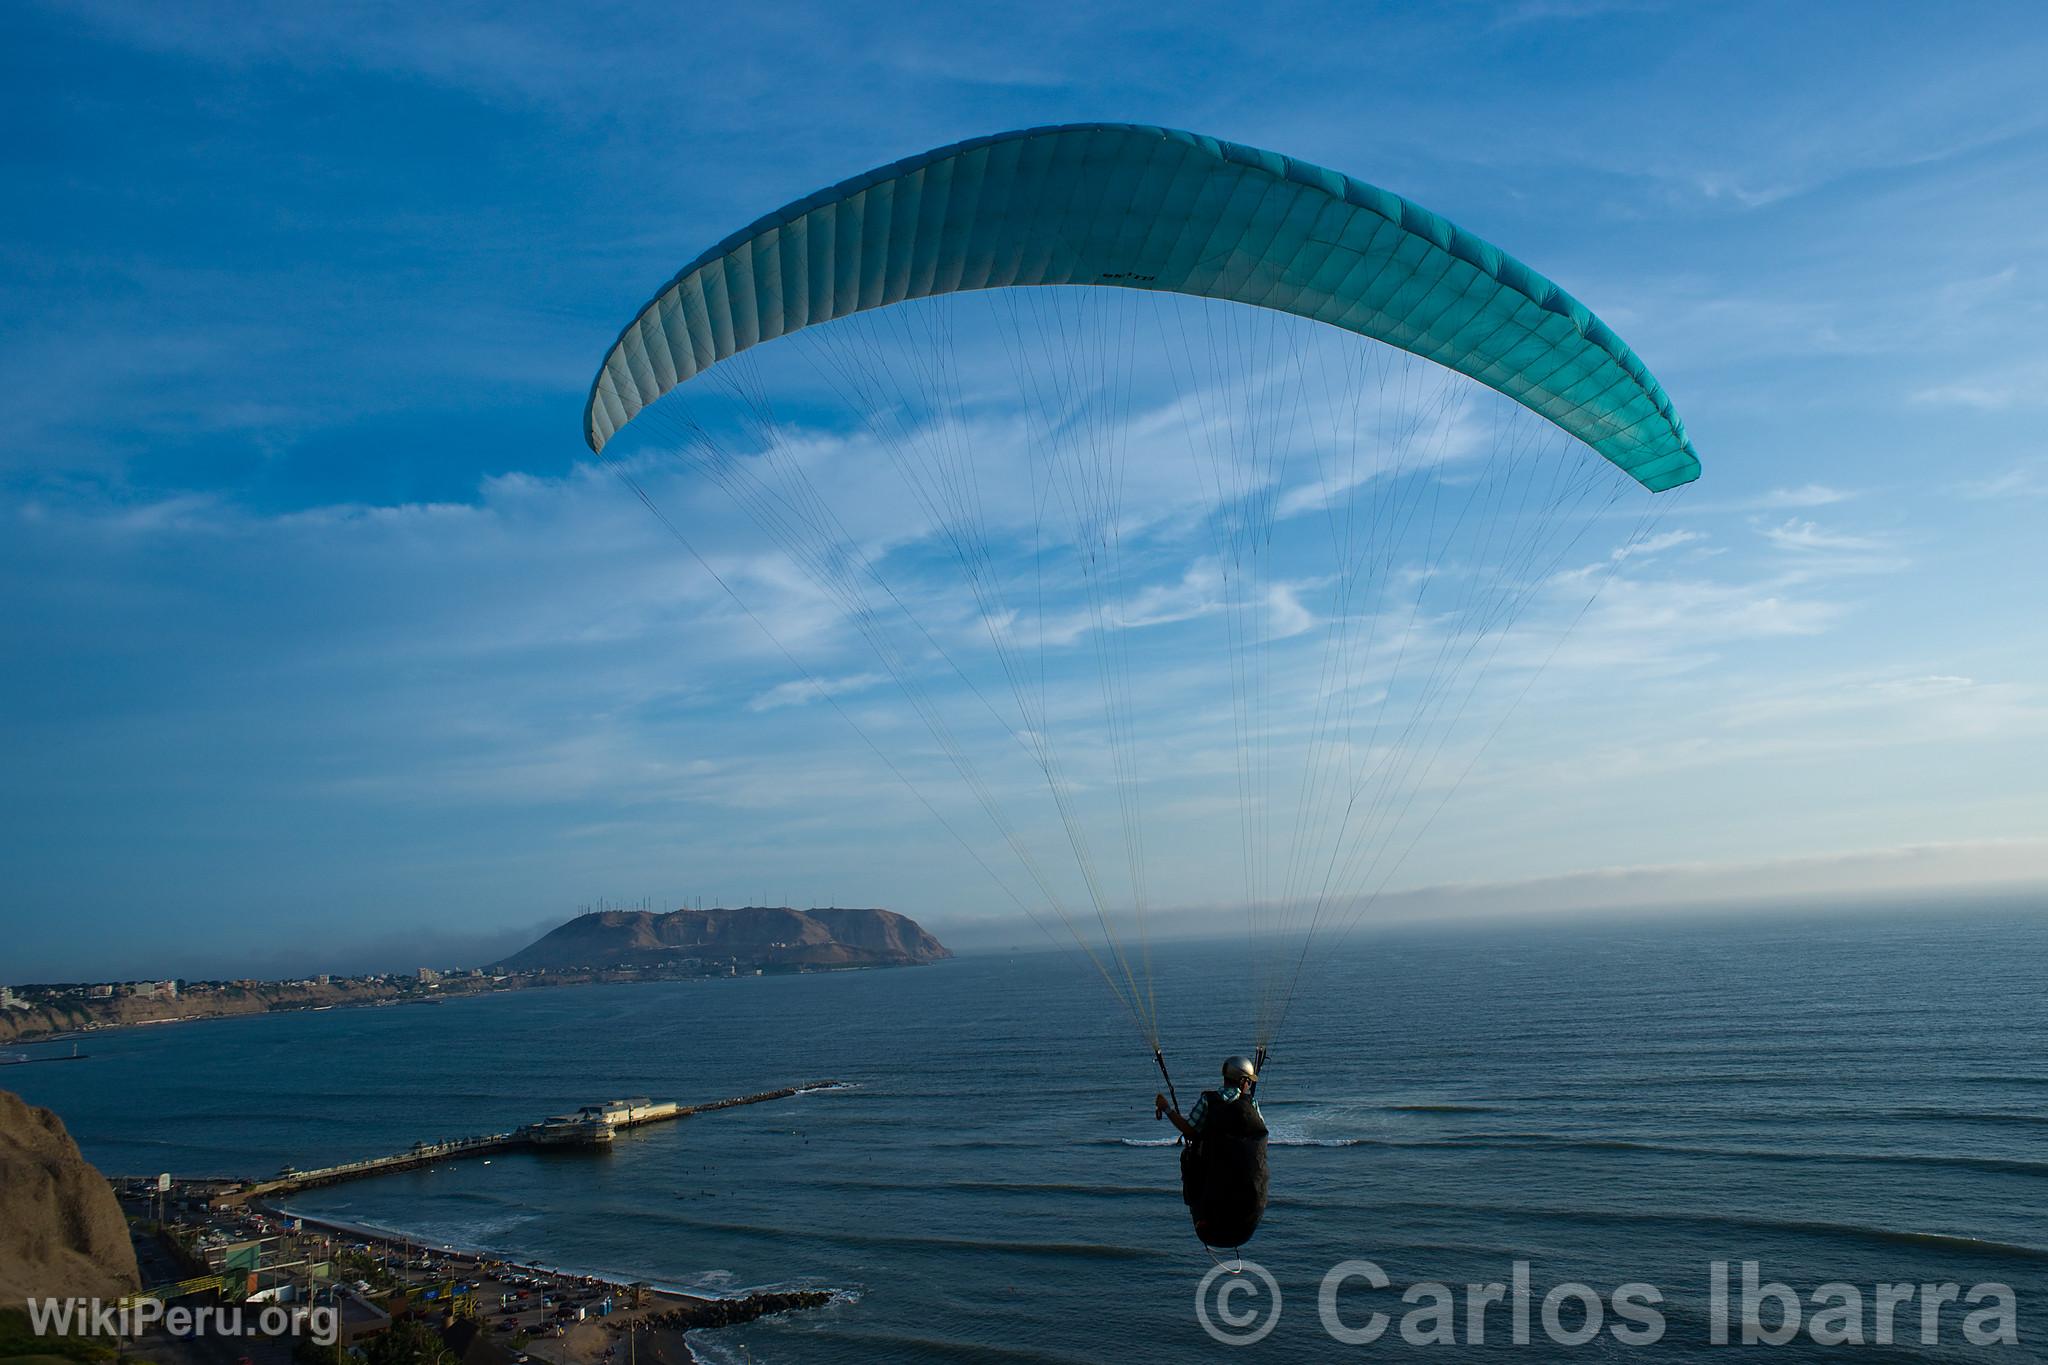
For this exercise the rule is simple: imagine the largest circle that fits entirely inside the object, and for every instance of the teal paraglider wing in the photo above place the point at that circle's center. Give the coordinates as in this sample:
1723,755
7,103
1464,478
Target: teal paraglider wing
1152,208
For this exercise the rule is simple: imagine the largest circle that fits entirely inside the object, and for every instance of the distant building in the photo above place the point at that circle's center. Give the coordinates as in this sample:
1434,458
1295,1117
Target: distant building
100,992
322,979
428,976
10,1001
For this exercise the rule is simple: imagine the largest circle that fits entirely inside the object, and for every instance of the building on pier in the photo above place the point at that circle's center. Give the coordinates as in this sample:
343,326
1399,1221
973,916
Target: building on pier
598,1123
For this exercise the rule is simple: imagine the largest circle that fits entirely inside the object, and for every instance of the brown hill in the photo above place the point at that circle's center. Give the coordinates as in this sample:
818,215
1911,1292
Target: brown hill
61,1229
751,935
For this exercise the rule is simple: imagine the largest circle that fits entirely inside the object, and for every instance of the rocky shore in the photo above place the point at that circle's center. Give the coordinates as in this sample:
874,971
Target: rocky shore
699,1313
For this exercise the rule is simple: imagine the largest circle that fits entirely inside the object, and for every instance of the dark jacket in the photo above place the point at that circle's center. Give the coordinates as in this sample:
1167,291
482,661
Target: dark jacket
1223,1171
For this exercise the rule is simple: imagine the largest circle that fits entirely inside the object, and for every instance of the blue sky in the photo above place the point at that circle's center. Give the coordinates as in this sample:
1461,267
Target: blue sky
327,643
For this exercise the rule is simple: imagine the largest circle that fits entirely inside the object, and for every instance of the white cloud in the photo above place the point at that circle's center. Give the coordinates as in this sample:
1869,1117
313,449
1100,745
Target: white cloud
1285,615
1565,11
2021,481
1200,591
1889,709
1720,185
1806,495
1657,544
804,691
1646,619
1992,391
1795,534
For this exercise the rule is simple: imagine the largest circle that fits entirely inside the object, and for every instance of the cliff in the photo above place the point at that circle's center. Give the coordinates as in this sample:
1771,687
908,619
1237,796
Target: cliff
43,1020
61,1229
753,936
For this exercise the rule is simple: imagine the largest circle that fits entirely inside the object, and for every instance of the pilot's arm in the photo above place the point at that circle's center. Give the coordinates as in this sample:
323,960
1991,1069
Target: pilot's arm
1163,1108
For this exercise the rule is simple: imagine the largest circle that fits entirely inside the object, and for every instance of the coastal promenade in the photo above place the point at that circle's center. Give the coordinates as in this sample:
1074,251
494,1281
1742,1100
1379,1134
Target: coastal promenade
519,1311
591,1126
224,1239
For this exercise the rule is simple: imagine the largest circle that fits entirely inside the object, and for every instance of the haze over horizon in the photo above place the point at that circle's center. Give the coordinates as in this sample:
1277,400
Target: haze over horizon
331,646
1916,888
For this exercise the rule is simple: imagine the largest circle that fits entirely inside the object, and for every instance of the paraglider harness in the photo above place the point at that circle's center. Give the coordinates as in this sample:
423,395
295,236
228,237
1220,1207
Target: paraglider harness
1223,1177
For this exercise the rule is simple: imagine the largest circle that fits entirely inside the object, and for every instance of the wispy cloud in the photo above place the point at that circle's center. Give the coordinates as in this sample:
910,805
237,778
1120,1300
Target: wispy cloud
2021,481
1200,590
1721,185
302,582
1286,616
1805,495
1916,708
1522,12
1657,544
1794,534
1996,390
1671,623
804,691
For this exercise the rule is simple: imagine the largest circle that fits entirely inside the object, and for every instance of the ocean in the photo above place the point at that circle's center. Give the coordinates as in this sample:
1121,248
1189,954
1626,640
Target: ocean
1844,1101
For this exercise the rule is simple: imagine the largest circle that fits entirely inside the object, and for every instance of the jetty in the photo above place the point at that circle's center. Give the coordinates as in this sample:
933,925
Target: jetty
594,1125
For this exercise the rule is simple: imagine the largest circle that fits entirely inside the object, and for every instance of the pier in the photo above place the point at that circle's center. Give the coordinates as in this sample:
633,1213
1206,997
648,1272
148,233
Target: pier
594,1125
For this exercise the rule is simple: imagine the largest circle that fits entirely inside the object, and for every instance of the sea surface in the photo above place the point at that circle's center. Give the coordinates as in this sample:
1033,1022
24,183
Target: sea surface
1844,1100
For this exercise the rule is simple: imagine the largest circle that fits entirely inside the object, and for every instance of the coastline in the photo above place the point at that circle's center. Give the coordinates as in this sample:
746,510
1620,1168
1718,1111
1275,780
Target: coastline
648,1320
519,1310
74,1032
241,1007
375,1233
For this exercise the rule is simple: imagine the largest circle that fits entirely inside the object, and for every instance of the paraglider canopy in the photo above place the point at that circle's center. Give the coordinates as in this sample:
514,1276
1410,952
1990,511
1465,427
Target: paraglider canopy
1156,209
1374,432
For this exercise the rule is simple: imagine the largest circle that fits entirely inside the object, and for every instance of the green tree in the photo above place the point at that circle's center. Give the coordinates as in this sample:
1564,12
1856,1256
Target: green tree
409,1342
311,1352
